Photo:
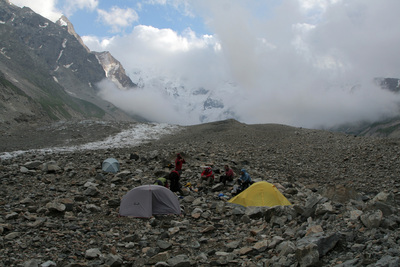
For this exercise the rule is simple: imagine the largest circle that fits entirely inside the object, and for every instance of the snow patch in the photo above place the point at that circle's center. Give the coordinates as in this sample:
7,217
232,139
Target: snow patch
4,53
68,65
44,26
62,22
64,43
59,56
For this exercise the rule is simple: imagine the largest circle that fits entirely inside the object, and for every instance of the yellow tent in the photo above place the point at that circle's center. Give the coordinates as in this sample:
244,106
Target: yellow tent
261,194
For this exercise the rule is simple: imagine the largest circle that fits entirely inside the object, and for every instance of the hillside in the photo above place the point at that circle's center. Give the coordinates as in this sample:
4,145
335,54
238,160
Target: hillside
62,209
46,73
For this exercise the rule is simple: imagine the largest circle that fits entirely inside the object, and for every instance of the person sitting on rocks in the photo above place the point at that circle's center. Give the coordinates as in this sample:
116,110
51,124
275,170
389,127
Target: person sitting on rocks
175,185
162,181
244,179
228,177
207,175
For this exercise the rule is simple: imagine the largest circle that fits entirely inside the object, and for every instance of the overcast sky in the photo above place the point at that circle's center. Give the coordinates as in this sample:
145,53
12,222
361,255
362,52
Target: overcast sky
304,63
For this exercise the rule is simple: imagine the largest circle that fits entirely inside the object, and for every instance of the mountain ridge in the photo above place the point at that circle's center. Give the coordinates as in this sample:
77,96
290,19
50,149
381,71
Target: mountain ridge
47,74
47,65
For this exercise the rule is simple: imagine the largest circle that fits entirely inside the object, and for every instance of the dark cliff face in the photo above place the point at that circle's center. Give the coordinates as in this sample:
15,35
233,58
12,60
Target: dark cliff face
50,43
391,84
50,67
114,70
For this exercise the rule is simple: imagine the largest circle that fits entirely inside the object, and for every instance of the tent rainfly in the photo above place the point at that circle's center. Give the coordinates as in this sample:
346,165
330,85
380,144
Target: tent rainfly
147,200
110,165
260,194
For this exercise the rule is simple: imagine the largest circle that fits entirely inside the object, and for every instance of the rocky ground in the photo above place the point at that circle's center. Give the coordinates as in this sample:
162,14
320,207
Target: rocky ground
61,210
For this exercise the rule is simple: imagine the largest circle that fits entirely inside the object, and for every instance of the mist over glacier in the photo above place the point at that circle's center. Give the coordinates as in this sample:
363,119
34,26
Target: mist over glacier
300,65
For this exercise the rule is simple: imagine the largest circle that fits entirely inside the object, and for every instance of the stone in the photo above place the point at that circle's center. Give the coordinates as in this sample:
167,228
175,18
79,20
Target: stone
113,260
307,255
92,253
372,219
160,257
55,207
179,261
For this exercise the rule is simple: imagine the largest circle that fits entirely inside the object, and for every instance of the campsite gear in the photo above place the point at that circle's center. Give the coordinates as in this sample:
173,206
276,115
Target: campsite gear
147,200
260,194
221,196
110,165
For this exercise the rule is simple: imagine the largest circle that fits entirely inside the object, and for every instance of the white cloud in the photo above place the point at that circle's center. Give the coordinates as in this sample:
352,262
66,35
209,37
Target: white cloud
45,8
304,75
118,18
151,103
295,62
183,6
71,6
156,2
165,52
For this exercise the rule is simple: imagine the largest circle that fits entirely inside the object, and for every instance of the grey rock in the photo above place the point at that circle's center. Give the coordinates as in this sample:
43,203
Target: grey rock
92,253
32,165
179,261
48,264
31,263
113,260
388,261
12,236
324,242
372,219
164,245
307,255
285,248
55,207
91,191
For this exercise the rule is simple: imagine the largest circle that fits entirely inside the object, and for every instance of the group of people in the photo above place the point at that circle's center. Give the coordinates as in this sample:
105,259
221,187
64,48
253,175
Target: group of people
207,176
174,176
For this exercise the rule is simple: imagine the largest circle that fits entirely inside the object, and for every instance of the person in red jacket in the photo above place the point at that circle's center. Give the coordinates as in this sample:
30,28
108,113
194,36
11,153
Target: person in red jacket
178,163
229,175
207,175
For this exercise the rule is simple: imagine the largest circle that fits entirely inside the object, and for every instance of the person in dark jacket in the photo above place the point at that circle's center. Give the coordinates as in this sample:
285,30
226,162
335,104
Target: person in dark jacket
175,185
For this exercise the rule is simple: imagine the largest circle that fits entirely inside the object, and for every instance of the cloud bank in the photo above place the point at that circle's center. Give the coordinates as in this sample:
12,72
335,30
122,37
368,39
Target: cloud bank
307,63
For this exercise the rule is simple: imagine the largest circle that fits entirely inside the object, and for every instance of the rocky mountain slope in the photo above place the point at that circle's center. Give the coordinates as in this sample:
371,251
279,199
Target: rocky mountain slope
60,209
46,72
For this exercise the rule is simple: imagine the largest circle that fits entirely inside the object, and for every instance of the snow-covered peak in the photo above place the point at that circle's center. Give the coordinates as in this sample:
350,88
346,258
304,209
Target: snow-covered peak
188,103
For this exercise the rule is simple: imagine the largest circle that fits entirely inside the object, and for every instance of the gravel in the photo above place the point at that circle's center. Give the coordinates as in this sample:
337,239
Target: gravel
60,209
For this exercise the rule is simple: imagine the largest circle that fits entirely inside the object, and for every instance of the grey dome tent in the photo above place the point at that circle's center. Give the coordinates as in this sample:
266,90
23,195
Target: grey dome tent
110,165
147,200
